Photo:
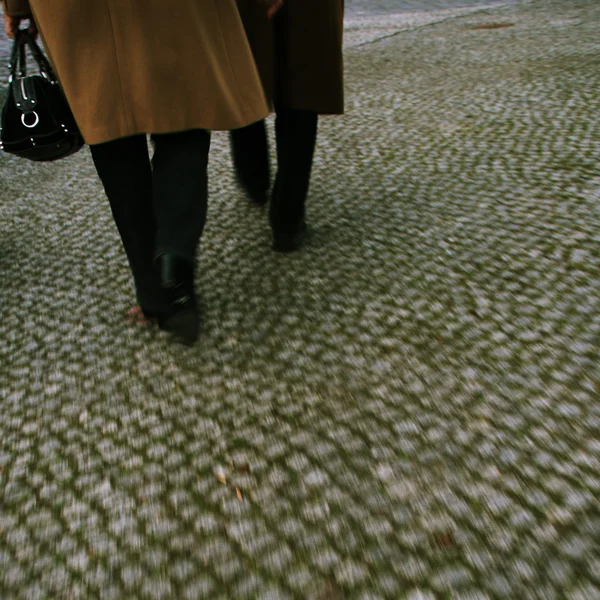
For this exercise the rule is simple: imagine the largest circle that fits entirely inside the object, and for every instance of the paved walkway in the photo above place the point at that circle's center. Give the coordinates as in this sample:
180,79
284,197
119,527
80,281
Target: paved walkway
354,9
371,7
409,408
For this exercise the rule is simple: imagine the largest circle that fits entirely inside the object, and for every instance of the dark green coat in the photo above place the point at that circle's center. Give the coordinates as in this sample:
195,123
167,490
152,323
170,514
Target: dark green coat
299,53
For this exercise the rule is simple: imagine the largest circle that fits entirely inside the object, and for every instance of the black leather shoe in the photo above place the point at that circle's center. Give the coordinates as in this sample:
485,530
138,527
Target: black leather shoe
286,217
182,321
255,191
154,304
289,241
181,318
151,315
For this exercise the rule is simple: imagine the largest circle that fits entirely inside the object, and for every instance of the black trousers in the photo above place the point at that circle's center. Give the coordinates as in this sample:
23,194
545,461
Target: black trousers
159,205
295,135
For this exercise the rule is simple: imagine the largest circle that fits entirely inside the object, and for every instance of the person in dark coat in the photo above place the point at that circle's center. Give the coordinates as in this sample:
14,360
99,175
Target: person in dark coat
299,56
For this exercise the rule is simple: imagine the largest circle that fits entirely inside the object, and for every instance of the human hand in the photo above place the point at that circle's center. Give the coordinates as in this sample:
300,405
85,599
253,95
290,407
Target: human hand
272,6
11,26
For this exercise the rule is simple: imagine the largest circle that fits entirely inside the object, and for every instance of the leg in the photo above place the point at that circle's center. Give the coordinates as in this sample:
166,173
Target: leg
296,133
250,151
180,191
180,195
124,169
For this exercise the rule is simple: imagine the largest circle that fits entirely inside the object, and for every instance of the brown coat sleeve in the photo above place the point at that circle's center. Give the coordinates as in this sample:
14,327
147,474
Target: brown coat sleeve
16,8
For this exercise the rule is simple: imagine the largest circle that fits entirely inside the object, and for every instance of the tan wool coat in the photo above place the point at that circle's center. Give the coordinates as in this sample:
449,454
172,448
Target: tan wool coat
149,66
300,54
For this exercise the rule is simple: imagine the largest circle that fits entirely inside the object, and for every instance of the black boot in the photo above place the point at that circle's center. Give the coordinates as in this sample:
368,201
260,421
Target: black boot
177,279
296,132
250,150
288,226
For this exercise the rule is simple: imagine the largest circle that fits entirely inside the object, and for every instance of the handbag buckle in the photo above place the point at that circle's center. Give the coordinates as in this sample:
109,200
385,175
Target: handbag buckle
24,93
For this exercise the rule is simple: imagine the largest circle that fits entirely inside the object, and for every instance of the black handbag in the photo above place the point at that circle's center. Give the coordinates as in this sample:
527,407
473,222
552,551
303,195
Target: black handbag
36,121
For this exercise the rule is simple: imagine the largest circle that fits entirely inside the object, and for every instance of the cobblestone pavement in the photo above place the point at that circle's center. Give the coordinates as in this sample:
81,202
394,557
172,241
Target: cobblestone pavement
371,7
408,408
354,9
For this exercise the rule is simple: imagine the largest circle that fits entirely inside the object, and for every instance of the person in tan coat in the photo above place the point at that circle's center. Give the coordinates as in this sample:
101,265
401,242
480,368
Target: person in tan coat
300,59
173,70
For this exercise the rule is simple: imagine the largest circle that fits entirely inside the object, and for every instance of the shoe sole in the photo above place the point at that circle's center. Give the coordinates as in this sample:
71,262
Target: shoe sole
255,197
259,201
289,243
183,325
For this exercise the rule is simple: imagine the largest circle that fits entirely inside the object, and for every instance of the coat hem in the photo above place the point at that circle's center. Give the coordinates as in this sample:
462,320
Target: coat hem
102,135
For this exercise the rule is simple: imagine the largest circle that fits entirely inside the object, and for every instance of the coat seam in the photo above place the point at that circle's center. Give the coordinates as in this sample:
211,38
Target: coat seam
233,75
119,73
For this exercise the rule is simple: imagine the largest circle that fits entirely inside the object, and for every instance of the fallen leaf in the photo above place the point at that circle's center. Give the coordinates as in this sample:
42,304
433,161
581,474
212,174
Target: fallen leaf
239,494
244,468
446,540
221,475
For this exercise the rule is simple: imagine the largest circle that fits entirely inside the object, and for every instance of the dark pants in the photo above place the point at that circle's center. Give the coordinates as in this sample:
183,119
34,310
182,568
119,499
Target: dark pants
159,206
296,135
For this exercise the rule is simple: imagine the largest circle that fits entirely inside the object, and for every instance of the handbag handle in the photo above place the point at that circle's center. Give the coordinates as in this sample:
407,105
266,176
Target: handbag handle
17,65
42,62
18,59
